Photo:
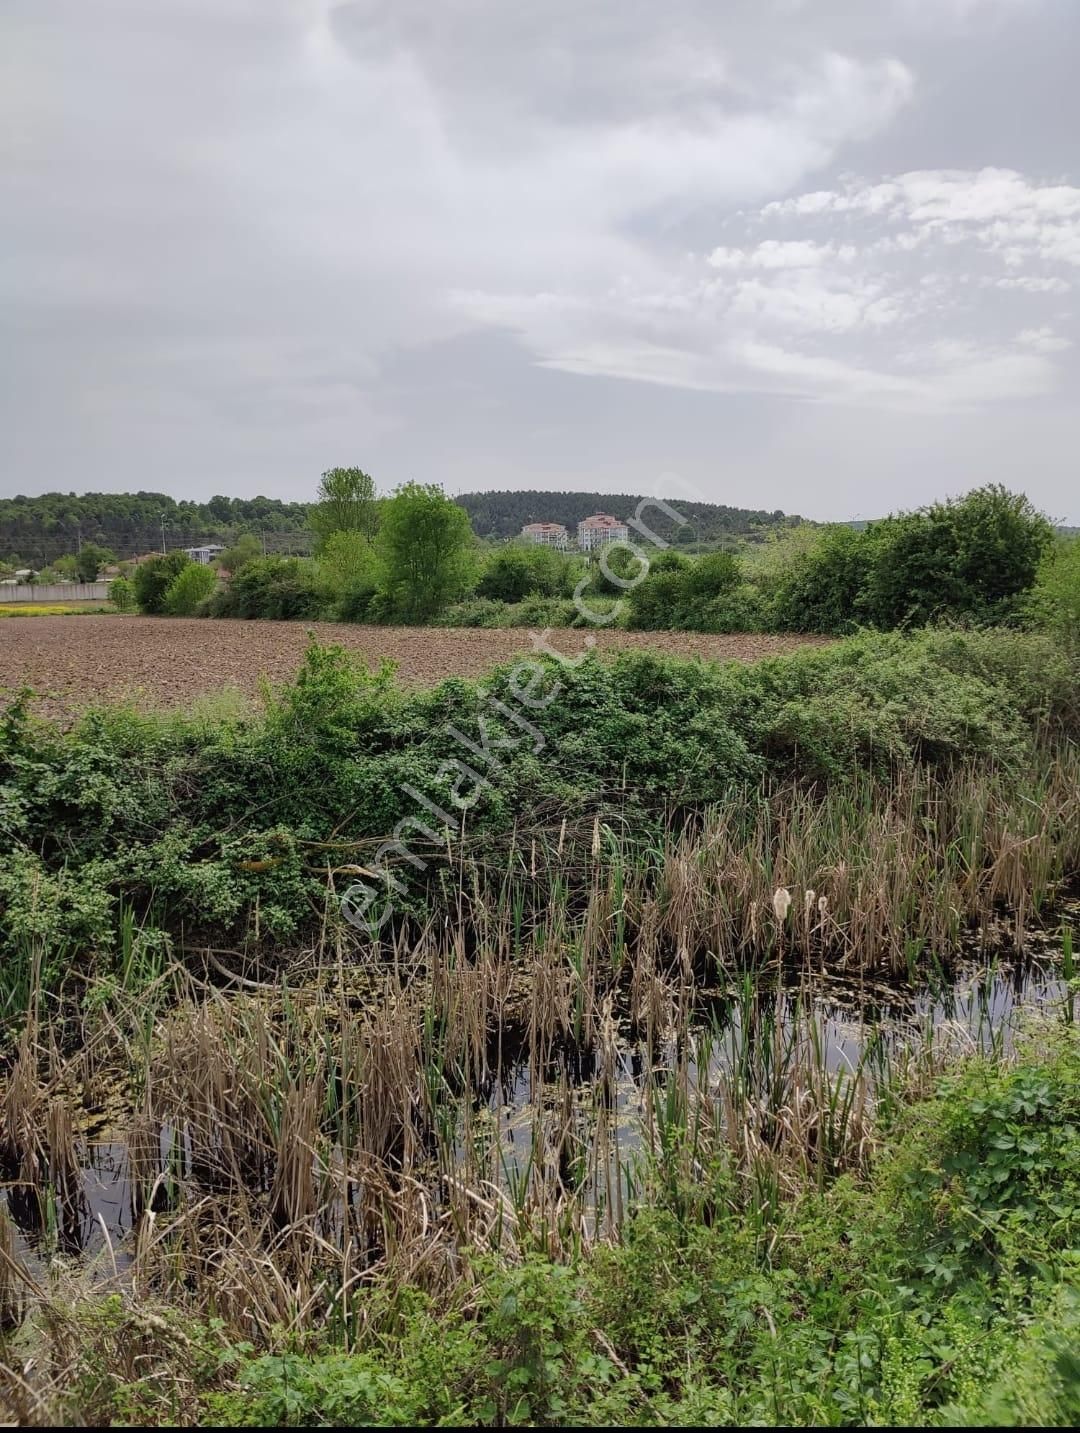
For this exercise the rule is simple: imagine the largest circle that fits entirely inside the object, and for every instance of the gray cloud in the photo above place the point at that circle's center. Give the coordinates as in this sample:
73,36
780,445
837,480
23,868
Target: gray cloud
502,244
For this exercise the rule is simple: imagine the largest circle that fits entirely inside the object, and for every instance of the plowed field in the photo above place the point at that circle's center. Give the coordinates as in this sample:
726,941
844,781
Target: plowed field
73,662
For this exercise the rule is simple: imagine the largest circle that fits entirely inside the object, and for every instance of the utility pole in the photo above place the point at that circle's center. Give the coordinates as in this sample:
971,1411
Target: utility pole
163,534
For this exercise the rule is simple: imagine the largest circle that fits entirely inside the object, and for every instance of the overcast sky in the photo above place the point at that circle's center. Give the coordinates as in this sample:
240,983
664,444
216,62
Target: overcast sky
819,255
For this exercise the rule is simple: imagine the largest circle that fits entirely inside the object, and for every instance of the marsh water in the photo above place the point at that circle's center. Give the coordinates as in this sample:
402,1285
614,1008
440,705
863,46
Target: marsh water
852,1026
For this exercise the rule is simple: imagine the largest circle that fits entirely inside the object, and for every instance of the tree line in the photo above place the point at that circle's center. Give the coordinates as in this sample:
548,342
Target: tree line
503,514
36,531
987,558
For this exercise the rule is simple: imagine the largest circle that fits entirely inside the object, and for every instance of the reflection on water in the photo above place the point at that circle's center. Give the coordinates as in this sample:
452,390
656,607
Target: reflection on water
850,1025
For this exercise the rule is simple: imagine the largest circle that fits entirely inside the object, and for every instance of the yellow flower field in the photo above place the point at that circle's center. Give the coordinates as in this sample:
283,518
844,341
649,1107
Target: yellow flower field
48,609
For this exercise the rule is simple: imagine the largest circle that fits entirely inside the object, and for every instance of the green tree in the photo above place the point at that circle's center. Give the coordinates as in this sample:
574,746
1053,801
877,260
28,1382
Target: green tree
91,560
425,551
153,579
346,503
65,569
191,586
971,558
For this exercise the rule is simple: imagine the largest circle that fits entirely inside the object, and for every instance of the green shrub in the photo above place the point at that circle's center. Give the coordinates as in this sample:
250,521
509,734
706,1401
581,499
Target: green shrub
281,588
697,595
189,590
477,612
122,594
542,612
519,571
358,601
1054,603
822,589
991,1175
973,558
152,580
657,603
622,562
741,609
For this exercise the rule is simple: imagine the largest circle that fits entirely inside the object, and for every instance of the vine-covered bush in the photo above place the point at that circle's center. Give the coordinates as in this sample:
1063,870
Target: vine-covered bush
208,820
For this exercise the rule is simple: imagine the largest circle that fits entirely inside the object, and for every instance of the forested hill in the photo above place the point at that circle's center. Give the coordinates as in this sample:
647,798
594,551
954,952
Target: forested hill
504,514
38,530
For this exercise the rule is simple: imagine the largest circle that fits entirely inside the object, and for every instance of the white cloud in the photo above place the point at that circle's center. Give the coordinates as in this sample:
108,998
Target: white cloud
903,292
818,305
996,209
1044,340
1030,283
779,254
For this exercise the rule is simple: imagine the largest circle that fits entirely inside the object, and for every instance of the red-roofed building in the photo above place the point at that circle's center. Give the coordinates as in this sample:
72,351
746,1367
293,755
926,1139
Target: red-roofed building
599,530
546,534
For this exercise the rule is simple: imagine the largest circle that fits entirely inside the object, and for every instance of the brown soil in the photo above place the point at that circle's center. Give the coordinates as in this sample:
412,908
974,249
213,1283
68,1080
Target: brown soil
72,662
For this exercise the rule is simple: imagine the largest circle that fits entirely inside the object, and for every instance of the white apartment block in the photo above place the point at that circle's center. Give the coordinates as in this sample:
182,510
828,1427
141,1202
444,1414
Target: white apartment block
545,534
599,530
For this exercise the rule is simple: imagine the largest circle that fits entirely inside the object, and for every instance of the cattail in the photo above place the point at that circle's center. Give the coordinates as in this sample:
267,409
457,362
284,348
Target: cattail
822,906
781,903
808,902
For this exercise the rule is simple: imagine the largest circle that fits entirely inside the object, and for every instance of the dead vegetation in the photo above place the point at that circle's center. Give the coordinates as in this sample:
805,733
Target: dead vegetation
526,1074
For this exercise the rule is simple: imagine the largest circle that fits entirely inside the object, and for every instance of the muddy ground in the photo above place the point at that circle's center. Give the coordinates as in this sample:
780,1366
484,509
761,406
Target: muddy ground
156,662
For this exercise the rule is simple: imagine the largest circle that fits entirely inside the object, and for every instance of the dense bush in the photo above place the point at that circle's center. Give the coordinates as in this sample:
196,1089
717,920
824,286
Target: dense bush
189,590
973,559
152,580
615,570
359,601
283,588
227,800
691,595
521,571
1055,599
478,612
823,588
